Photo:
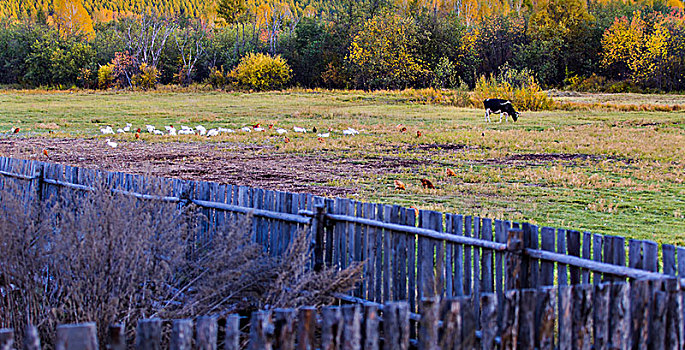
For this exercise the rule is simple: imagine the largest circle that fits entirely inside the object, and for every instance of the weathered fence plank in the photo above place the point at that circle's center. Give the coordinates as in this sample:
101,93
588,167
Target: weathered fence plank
77,337
32,340
674,314
370,244
149,334
468,323
561,249
378,256
352,328
547,301
668,258
232,338
306,328
396,326
526,333
371,323
467,256
488,321
486,259
284,328
573,240
619,316
587,249
6,339
458,252
428,327
601,312
410,220
510,320
401,260
565,318
449,336
547,267
640,300
181,335
582,316
261,331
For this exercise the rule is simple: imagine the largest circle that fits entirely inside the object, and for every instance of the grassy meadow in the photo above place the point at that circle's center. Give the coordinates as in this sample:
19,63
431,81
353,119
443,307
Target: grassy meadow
601,170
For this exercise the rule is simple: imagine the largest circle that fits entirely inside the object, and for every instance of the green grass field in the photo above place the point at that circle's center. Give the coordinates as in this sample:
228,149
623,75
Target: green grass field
601,171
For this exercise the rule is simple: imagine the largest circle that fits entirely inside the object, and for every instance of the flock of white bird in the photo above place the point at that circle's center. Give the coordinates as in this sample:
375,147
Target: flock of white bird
202,131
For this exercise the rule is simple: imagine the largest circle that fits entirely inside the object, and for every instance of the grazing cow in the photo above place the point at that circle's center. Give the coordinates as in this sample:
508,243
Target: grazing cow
496,105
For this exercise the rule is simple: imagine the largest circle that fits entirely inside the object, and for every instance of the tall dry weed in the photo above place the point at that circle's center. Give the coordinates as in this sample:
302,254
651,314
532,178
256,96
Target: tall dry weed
110,258
85,257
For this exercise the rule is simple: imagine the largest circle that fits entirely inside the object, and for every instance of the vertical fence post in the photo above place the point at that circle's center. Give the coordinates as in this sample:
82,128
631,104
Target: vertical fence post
149,334
77,336
513,259
39,182
116,337
319,225
31,339
181,335
6,339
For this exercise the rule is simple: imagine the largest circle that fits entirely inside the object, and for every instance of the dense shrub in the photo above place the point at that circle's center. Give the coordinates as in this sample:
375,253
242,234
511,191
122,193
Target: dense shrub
262,72
459,97
106,76
520,88
146,79
217,77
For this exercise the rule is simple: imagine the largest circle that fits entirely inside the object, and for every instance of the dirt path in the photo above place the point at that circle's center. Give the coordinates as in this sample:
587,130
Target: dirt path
234,164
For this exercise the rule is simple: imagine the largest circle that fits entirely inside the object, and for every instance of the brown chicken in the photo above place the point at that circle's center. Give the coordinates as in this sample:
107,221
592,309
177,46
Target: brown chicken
450,172
45,152
427,184
418,133
399,185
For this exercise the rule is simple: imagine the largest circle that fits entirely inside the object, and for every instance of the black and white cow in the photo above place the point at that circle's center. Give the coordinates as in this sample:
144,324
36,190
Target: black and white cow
503,107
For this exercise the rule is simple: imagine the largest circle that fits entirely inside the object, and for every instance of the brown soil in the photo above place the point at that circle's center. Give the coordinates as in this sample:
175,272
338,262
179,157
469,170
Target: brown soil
234,164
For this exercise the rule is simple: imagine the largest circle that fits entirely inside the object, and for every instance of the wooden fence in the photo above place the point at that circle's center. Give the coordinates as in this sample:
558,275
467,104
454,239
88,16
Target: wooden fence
409,254
643,314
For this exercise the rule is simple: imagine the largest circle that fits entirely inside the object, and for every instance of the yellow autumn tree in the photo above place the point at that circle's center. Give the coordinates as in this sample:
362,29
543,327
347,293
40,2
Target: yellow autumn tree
382,54
71,18
622,43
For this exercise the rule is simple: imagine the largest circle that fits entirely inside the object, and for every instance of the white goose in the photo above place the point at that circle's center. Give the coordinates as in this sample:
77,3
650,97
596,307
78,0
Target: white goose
111,143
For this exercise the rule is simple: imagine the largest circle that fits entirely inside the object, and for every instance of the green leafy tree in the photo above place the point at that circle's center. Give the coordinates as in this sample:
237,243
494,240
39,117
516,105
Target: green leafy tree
309,52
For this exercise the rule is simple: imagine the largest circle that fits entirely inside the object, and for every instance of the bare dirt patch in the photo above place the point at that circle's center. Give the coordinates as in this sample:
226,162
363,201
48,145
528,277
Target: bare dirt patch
438,147
236,164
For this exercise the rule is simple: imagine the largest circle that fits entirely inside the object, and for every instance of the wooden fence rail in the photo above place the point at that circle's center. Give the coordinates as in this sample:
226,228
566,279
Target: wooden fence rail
643,314
409,254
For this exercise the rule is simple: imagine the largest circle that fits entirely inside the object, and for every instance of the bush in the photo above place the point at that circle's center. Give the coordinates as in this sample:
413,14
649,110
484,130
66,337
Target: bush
86,78
597,83
217,77
262,72
450,97
528,96
106,76
146,79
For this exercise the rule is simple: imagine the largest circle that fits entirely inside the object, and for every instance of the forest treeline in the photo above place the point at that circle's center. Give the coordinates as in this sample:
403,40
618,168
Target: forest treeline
604,45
